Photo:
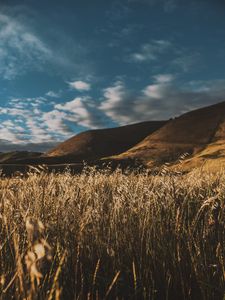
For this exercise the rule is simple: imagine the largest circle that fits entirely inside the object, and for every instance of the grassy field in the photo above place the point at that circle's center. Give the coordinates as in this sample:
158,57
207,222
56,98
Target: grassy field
112,236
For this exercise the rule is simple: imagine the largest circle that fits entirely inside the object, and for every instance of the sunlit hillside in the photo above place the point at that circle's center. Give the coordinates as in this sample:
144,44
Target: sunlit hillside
200,133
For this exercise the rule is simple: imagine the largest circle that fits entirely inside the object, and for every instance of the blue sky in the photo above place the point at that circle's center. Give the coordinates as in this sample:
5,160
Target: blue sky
69,66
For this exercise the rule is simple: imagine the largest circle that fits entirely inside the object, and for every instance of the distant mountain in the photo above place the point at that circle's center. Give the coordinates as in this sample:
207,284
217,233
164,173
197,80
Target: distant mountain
17,155
201,133
96,144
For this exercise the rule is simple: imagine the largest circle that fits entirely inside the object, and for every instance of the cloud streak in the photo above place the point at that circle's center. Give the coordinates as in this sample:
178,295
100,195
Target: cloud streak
150,51
159,100
20,49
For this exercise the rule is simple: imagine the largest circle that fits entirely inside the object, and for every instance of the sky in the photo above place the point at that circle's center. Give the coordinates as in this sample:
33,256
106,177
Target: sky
70,66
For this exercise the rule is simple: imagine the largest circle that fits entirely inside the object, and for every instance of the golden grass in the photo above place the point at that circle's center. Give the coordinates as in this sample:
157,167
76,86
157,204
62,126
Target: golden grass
112,236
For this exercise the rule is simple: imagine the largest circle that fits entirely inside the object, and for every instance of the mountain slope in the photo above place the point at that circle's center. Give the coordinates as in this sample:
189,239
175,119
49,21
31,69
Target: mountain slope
95,144
194,132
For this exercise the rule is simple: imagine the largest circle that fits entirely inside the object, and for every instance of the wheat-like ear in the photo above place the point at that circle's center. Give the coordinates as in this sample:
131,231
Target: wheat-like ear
95,273
112,284
134,277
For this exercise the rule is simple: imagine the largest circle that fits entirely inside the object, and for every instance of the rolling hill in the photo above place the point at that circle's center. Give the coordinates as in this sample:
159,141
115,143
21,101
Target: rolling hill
201,133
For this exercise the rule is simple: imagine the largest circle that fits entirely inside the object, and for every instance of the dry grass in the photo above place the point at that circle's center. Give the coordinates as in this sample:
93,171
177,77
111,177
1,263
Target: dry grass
112,236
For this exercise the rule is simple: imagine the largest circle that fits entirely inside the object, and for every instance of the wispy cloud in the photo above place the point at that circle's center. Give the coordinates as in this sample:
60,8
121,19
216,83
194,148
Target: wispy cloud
20,49
150,51
185,60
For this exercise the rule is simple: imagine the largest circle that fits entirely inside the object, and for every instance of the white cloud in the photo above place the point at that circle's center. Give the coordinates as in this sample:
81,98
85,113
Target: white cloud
114,95
8,134
155,91
37,131
53,94
31,123
82,111
54,122
115,105
160,88
119,104
80,85
164,78
8,123
14,111
71,106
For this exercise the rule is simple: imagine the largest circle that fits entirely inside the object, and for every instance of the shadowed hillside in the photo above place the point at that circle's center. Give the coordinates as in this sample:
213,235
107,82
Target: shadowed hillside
198,131
95,144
